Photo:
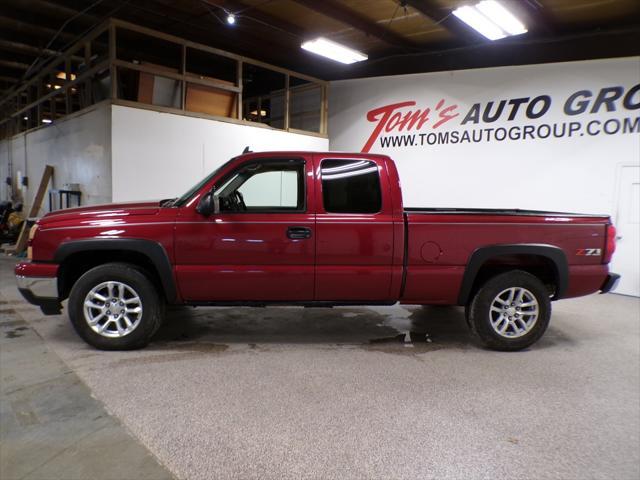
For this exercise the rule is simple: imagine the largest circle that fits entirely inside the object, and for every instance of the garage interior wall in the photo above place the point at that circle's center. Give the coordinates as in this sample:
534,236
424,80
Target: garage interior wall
78,147
173,152
121,153
593,169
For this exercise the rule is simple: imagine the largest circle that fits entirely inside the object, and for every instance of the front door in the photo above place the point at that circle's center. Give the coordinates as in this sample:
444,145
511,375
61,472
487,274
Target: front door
354,230
261,246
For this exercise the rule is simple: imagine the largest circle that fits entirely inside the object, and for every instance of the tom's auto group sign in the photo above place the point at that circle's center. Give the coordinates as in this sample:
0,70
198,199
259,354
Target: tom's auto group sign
410,124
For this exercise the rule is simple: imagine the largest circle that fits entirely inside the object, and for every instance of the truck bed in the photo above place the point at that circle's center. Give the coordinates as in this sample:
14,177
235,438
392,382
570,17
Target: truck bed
441,243
497,211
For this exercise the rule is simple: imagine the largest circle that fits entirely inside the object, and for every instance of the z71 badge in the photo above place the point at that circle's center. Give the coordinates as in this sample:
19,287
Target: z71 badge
588,252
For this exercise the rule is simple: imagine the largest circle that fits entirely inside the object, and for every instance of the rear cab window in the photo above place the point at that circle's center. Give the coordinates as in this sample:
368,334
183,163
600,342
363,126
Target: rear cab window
350,186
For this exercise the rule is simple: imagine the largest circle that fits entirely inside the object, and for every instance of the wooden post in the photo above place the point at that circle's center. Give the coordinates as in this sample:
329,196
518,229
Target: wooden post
324,114
52,99
286,102
112,57
21,243
67,90
39,108
183,83
239,85
85,98
42,189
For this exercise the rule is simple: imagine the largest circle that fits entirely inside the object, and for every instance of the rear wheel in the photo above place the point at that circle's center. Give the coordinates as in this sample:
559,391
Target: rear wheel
511,311
115,307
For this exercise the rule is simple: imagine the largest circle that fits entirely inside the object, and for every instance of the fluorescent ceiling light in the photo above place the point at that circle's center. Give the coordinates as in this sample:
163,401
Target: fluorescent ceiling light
333,50
46,120
479,22
491,19
502,17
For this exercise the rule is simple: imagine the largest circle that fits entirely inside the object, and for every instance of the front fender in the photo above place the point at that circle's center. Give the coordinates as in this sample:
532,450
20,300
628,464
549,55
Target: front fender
154,251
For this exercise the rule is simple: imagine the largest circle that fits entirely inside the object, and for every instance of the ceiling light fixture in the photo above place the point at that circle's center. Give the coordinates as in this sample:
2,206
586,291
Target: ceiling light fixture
46,120
491,19
231,19
333,50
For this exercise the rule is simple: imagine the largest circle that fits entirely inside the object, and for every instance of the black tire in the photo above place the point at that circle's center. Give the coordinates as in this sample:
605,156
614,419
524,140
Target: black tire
479,314
132,276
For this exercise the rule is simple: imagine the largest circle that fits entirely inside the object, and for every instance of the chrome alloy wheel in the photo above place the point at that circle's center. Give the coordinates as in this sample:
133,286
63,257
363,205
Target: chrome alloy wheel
514,312
112,309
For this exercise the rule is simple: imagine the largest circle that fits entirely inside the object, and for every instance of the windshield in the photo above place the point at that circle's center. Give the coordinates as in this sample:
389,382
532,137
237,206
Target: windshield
192,191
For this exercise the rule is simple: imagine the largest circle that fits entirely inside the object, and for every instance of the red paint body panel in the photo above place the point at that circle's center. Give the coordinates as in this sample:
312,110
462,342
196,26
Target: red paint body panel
458,236
415,256
585,279
31,269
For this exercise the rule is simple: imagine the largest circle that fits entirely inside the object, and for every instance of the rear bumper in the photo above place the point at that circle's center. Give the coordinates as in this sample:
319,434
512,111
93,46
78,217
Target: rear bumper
38,284
610,283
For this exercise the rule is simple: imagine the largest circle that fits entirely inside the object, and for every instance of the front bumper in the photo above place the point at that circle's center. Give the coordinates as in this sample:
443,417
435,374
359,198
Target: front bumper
610,283
38,289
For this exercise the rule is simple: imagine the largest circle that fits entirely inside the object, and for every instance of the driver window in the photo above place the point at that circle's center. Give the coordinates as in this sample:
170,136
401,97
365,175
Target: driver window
272,186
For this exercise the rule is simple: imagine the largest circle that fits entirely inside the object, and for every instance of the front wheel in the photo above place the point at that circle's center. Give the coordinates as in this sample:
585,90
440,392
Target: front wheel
511,311
115,307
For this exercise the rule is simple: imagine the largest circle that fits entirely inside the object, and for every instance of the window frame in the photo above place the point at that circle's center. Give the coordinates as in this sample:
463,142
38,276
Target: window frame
374,163
302,187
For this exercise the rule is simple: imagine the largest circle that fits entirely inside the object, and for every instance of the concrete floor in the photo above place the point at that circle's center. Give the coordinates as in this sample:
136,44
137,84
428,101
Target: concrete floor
348,393
50,425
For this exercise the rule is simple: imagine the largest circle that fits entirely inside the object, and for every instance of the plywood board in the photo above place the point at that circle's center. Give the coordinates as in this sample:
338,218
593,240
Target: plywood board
210,100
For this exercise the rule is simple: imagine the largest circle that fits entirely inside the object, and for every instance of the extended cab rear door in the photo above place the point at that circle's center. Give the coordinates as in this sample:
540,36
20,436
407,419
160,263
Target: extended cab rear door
354,229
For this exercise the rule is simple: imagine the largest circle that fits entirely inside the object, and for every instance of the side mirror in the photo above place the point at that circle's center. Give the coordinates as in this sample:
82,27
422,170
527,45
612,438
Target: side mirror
208,205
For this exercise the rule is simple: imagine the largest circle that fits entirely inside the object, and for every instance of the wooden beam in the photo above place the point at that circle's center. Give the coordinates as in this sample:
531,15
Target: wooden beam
337,11
20,47
205,48
52,9
42,97
14,65
32,29
435,13
6,78
540,20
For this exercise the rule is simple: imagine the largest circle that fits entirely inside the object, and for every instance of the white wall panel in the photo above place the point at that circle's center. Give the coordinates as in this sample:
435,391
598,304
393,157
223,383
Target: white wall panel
77,147
161,155
574,173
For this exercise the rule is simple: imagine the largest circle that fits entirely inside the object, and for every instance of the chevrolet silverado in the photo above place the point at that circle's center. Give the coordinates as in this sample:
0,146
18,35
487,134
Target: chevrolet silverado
309,229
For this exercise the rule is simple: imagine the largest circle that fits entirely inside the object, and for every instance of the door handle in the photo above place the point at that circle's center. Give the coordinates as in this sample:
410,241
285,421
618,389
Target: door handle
298,233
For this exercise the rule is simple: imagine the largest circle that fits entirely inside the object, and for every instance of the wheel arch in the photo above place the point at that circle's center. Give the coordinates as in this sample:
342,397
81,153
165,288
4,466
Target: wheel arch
78,256
551,258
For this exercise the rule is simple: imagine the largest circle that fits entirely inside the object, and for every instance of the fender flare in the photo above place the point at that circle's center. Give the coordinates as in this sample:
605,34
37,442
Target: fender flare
481,255
154,251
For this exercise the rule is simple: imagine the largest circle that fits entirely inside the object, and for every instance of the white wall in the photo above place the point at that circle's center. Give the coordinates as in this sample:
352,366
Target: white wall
77,147
576,173
161,155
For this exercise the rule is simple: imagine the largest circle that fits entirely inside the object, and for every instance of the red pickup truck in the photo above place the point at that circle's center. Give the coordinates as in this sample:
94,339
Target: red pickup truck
312,229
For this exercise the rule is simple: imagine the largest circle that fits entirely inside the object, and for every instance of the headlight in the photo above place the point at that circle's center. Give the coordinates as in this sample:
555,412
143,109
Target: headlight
32,233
